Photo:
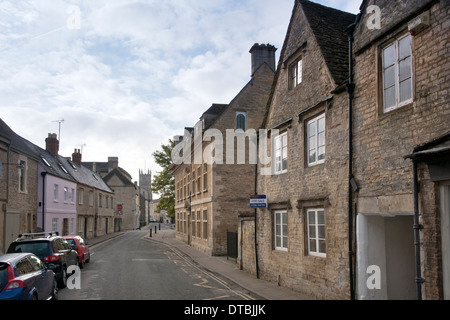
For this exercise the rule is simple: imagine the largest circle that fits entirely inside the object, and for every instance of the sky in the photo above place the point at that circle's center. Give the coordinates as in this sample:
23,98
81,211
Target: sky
125,76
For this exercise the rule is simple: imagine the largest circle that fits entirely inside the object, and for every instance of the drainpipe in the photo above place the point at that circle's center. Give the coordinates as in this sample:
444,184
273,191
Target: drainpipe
256,192
417,227
43,174
350,89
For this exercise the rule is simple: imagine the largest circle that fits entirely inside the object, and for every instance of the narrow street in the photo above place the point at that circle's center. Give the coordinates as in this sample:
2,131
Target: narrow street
130,267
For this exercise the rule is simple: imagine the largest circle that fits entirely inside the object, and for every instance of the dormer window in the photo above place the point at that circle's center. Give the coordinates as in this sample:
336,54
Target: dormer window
295,73
241,121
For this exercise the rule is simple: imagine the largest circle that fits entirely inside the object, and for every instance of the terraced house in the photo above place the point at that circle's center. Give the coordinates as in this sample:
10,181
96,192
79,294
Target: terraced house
401,149
214,181
48,192
358,187
302,233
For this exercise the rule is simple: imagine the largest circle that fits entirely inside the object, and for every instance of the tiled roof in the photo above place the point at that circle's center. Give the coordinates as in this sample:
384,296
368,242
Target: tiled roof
328,25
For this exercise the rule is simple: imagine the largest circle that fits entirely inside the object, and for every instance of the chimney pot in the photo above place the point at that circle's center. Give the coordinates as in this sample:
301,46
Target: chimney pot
52,143
76,157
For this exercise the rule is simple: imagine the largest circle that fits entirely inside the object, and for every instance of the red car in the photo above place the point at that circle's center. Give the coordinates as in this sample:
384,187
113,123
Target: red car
81,247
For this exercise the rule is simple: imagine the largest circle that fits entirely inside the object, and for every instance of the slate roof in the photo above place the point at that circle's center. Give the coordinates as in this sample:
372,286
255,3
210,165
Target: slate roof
328,25
55,165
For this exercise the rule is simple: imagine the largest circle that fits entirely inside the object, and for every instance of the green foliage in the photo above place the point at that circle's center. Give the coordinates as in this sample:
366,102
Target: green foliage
164,182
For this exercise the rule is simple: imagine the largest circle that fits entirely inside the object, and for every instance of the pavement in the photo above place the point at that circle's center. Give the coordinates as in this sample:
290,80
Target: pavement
228,268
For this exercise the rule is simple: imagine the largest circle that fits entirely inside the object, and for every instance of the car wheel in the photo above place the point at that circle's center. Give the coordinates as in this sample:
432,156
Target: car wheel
62,281
89,258
55,290
34,297
81,264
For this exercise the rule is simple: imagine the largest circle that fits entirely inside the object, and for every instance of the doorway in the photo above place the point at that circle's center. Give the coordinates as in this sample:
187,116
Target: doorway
445,236
387,242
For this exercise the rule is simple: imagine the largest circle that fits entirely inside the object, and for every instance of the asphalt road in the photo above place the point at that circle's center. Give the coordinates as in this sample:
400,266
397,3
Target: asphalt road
130,267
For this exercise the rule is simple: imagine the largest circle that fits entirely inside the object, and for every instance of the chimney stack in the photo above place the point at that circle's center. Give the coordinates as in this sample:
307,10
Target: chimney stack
52,143
76,157
113,162
262,53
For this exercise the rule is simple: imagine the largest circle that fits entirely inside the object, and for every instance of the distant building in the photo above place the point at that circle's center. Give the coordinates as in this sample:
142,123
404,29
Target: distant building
210,196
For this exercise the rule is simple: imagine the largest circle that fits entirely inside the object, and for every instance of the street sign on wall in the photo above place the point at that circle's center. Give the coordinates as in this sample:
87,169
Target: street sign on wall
258,201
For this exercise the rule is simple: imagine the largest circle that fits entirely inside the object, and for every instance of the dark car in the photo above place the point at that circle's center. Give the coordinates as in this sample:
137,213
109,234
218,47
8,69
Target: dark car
81,247
53,250
23,276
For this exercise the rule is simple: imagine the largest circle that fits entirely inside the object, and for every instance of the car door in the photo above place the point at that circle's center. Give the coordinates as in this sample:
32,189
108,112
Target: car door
72,255
25,272
44,278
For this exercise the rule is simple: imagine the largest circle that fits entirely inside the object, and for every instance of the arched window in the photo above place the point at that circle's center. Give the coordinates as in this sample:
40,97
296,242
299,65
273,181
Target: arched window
241,121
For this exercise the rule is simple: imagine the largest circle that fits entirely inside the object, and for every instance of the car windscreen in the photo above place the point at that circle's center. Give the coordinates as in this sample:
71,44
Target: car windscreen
3,275
40,248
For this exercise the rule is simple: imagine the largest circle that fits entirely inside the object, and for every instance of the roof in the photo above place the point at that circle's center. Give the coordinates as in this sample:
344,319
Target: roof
123,176
85,176
329,25
17,143
13,257
55,165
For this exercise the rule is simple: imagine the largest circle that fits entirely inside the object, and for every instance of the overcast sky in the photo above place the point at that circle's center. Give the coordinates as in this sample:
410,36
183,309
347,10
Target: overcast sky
128,75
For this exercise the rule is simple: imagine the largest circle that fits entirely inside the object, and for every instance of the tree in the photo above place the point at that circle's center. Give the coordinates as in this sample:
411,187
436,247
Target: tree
164,181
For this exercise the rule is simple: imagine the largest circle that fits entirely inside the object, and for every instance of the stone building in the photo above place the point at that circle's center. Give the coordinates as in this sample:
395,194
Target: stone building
401,149
126,194
213,183
95,200
301,236
18,187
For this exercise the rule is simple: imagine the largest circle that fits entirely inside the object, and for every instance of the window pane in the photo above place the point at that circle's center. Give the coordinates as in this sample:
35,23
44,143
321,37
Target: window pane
404,46
311,217
405,90
321,232
312,231
312,143
389,97
388,56
321,139
312,129
320,217
322,246
285,242
321,153
312,246
299,71
321,122
312,156
389,77
405,69
284,164
277,241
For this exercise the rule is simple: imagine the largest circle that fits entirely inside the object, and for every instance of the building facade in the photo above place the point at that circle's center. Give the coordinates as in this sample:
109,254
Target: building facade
213,183
301,236
401,156
18,185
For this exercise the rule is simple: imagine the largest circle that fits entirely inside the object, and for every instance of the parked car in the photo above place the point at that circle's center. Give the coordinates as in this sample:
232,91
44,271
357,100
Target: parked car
23,276
81,247
53,250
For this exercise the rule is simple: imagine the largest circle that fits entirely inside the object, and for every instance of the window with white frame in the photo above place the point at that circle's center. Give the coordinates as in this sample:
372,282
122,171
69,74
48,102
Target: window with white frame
280,231
295,73
280,153
55,192
54,224
66,194
316,140
316,232
397,74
